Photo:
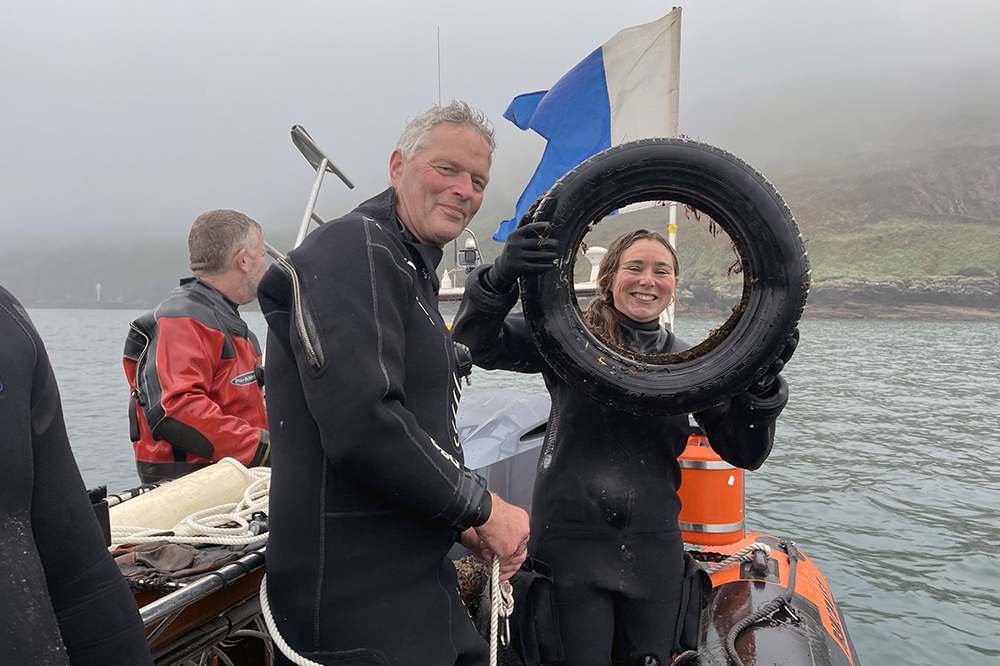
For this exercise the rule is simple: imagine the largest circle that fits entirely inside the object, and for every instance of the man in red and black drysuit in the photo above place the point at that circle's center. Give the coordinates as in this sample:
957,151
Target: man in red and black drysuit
193,363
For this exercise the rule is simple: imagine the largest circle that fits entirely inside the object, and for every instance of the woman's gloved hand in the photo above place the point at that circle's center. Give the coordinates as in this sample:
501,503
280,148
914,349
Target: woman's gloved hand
526,251
765,384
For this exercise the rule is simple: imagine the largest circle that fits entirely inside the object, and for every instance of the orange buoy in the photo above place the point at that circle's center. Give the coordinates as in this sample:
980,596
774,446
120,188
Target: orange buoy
711,496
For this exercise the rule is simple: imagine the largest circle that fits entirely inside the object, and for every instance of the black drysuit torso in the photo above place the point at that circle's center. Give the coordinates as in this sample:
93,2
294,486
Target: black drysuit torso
605,505
368,489
62,597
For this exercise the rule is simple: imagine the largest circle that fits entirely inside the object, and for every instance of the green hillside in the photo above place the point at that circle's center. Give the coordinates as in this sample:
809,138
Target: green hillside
916,225
908,247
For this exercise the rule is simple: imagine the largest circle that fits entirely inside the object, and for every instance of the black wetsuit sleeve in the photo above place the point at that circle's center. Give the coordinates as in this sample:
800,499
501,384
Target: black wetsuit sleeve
361,297
498,340
96,612
741,430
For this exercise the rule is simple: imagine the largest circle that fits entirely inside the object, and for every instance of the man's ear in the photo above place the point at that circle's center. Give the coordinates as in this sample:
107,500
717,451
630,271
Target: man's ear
242,260
396,164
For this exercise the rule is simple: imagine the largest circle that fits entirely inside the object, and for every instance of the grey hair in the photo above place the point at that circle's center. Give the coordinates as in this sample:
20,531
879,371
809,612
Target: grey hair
417,134
216,237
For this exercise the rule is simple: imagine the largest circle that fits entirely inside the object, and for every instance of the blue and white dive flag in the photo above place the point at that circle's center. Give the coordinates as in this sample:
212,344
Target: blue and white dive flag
625,90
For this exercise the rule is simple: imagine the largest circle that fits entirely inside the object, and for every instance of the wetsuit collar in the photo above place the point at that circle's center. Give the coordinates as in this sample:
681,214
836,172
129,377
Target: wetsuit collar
404,232
645,337
383,207
633,324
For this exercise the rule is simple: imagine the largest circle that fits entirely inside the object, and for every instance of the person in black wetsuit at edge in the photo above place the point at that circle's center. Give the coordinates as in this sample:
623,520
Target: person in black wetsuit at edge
368,489
605,506
62,598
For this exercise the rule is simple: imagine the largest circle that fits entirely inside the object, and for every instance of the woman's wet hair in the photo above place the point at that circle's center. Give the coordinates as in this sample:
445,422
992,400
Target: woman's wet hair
601,312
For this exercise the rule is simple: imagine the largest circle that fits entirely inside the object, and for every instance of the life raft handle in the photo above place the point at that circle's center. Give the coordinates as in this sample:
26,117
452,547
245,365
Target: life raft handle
768,611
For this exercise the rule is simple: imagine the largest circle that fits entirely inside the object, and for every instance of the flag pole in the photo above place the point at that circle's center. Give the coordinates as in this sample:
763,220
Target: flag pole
675,132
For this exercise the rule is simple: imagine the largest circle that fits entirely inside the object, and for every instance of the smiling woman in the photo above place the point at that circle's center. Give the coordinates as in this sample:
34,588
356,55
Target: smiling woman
605,503
636,280
644,284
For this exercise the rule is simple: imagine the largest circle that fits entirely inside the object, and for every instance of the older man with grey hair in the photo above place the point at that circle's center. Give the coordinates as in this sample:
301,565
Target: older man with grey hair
193,364
369,490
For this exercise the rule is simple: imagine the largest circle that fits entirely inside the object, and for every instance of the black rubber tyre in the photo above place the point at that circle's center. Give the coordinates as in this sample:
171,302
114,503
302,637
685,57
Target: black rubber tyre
743,203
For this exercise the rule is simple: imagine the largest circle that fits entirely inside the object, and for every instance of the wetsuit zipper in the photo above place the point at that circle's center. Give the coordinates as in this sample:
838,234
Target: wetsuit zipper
314,354
136,392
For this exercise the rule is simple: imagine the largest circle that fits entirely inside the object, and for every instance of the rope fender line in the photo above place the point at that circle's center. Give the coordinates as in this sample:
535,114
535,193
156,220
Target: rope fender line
743,555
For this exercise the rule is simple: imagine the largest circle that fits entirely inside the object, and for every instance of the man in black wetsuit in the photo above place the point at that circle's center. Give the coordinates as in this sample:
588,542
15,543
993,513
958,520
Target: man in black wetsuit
368,489
62,597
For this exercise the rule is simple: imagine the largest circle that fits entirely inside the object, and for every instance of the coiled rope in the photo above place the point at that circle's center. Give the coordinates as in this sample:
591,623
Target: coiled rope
226,524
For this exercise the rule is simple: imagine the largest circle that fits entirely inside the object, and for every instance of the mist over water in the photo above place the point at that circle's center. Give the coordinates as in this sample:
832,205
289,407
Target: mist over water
883,469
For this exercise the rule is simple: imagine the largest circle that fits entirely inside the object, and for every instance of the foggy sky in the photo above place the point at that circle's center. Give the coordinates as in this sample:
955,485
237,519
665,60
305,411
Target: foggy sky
123,115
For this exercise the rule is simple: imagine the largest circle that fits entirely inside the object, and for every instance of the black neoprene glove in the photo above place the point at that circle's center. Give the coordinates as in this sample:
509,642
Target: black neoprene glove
526,251
765,384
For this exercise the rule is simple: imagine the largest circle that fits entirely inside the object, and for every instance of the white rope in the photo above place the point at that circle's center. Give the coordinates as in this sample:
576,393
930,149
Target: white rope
214,525
501,607
276,637
744,555
494,609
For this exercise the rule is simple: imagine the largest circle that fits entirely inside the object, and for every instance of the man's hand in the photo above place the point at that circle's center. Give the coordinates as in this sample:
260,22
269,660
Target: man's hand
505,534
527,250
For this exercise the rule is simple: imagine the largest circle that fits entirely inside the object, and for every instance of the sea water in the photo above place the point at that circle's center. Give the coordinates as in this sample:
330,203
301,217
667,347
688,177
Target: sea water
884,469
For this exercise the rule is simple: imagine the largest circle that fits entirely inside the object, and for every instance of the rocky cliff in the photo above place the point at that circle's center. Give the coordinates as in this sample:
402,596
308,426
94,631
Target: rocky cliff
955,297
